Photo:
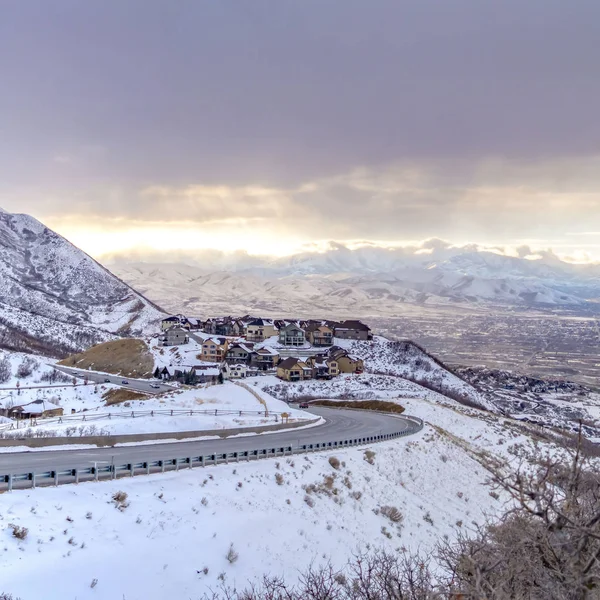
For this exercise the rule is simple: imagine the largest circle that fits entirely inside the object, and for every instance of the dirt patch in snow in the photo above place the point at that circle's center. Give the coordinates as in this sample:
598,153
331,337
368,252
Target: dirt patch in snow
116,396
379,405
128,357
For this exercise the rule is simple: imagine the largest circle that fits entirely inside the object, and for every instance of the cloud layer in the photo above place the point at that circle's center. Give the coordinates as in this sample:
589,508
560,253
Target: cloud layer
250,125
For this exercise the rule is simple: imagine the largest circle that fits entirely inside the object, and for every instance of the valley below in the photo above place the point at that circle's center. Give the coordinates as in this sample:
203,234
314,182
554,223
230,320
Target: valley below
557,344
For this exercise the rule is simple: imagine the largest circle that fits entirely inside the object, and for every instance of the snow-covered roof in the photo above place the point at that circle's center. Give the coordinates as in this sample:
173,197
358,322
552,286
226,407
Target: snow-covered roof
37,407
267,351
213,371
219,341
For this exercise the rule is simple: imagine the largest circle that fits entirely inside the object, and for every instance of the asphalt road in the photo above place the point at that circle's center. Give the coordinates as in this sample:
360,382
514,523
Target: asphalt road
340,424
140,385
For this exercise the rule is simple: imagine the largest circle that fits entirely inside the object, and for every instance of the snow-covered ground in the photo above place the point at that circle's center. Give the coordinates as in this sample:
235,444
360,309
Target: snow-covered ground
365,386
172,538
128,417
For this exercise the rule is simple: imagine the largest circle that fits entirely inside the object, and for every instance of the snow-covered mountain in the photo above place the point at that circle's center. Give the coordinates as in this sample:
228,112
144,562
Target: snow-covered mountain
366,281
54,298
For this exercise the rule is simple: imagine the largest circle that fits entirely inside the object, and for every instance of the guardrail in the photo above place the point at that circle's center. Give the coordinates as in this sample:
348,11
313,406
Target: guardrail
112,471
88,416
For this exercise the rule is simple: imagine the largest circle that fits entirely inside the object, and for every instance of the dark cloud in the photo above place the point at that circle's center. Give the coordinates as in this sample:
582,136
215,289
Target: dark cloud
347,120
256,92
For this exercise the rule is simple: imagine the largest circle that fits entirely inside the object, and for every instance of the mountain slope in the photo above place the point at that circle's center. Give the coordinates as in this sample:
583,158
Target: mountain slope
54,298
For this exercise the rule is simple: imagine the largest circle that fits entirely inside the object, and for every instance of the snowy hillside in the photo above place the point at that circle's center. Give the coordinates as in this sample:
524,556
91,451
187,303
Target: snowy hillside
408,360
366,281
54,298
278,515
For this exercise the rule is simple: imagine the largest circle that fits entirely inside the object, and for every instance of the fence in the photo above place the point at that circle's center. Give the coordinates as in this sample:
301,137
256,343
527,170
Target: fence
87,416
111,471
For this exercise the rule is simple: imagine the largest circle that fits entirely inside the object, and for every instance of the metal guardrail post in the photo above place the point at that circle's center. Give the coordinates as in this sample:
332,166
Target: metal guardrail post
76,475
32,477
190,460
55,473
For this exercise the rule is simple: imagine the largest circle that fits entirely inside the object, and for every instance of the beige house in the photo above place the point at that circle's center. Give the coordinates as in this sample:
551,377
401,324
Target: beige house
319,335
213,349
350,364
259,330
293,369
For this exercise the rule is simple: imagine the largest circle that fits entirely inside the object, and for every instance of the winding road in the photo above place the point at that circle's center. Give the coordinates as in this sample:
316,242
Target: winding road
340,424
139,385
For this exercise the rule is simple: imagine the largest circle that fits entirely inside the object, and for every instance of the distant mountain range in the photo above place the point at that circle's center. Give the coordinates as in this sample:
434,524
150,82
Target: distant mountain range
365,281
55,299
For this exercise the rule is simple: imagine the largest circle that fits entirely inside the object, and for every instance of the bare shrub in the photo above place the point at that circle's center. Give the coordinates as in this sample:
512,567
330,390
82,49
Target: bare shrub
232,555
120,500
392,513
5,370
279,478
378,576
334,462
19,532
428,518
309,501
27,366
369,456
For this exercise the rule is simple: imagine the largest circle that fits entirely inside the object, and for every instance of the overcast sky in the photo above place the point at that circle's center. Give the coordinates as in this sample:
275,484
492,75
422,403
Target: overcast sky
263,125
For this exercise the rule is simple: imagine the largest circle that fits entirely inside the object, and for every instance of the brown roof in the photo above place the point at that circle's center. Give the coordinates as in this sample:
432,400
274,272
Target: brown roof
288,363
353,325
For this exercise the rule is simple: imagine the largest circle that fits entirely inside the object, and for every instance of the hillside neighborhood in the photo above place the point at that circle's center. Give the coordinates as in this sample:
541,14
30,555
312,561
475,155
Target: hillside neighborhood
240,347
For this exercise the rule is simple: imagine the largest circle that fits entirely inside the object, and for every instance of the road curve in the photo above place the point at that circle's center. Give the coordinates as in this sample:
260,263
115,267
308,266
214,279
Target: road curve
339,424
138,385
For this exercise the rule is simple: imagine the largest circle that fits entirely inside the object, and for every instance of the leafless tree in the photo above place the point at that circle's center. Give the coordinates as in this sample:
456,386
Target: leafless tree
546,547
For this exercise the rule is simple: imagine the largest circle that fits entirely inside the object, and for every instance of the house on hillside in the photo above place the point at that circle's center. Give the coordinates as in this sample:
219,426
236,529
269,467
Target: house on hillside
196,324
293,369
240,353
174,336
319,334
346,362
214,349
292,335
323,367
214,373
264,359
35,410
259,330
238,371
352,330
175,321
222,326
166,373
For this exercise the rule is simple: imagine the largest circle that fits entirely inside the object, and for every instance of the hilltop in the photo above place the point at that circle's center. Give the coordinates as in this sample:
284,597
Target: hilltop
55,299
